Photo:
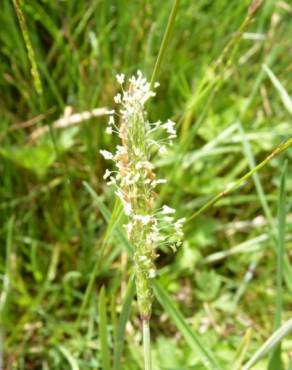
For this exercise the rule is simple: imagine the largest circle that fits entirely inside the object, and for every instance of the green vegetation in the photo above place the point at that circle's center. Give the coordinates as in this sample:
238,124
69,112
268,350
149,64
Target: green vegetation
223,300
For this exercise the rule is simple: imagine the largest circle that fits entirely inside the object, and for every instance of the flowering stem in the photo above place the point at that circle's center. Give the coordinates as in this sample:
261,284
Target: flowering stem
147,345
135,182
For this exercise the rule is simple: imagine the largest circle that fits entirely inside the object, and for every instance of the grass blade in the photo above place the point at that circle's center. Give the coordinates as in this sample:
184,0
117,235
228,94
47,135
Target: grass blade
287,101
120,331
30,51
7,276
107,216
126,309
191,338
112,228
274,339
70,359
6,285
275,358
255,177
240,354
105,354
165,38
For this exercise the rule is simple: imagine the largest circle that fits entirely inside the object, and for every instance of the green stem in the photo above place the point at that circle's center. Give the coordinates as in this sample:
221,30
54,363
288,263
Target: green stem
30,51
165,38
146,345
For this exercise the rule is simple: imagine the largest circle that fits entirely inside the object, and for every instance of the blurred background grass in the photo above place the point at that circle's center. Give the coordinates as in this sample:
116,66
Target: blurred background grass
230,116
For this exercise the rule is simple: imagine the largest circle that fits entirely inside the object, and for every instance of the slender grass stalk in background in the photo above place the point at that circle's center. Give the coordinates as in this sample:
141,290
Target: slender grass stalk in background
6,286
287,101
121,325
256,179
69,357
103,330
242,349
112,220
30,51
146,345
275,362
136,183
266,209
163,45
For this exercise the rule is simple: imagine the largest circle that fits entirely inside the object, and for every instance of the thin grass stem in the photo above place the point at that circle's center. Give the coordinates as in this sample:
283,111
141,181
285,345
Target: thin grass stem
147,345
165,38
30,51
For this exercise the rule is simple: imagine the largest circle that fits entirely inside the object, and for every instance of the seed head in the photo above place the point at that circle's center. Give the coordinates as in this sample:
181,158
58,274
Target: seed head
135,182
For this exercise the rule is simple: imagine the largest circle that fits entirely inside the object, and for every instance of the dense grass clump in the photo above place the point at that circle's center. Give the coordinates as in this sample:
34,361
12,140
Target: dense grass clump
222,300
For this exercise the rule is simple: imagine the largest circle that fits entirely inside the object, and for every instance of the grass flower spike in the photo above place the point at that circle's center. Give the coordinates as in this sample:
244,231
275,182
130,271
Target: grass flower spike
135,182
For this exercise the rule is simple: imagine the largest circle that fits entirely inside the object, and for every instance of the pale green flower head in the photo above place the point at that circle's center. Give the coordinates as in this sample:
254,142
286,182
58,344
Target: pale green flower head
135,181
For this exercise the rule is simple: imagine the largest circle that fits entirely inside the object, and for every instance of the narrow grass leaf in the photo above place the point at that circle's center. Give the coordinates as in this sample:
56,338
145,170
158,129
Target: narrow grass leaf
103,209
255,177
120,330
242,349
190,336
6,285
248,246
7,273
275,358
107,216
69,357
164,41
287,101
112,221
30,51
105,353
265,206
274,339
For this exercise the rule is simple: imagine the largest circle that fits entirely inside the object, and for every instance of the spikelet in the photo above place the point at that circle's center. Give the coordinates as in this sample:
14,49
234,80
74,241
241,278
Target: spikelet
135,182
